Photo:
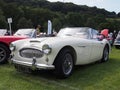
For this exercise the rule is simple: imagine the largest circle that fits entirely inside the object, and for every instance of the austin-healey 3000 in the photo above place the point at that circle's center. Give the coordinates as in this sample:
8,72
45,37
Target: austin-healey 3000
70,47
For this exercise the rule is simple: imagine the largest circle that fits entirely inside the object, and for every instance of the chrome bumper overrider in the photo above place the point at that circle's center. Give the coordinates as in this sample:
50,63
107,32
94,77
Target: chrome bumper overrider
33,65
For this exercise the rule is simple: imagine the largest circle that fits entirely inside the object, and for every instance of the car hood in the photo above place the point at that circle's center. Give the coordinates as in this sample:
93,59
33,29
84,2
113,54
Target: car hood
13,37
51,41
9,39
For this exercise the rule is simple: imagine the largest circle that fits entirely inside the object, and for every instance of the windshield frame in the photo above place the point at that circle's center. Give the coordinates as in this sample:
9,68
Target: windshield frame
25,32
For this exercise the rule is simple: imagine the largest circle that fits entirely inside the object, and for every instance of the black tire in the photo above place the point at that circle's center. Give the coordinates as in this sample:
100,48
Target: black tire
64,64
105,56
4,53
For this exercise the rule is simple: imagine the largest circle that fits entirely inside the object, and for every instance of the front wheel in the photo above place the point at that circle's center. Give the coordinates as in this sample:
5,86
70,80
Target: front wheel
4,53
64,63
105,56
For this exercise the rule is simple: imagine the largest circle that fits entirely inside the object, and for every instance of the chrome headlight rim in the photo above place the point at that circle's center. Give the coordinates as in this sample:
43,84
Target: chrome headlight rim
12,47
46,49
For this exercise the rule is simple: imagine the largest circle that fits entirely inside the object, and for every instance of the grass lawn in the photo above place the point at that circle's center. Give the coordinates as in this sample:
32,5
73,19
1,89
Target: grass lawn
98,76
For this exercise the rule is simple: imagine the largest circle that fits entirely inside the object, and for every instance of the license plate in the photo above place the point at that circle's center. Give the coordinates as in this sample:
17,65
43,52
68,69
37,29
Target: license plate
22,68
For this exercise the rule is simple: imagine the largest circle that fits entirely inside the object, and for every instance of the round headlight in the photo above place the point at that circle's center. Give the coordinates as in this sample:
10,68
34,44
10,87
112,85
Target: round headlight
12,47
46,49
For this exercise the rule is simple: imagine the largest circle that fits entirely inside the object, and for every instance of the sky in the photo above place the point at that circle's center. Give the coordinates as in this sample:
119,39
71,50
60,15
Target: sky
109,5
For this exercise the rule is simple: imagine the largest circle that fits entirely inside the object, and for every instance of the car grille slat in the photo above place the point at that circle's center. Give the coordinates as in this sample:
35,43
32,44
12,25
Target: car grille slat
30,53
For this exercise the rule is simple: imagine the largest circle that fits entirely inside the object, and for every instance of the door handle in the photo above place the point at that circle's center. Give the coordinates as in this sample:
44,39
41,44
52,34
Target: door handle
82,46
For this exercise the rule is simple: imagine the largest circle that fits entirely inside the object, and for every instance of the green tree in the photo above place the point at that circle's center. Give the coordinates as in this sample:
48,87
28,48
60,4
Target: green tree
38,15
24,23
75,19
91,23
57,24
62,14
12,10
111,25
99,19
3,22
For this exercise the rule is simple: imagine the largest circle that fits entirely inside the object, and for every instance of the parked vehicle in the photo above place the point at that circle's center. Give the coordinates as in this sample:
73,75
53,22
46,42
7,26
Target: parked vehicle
3,32
71,46
110,38
117,41
6,40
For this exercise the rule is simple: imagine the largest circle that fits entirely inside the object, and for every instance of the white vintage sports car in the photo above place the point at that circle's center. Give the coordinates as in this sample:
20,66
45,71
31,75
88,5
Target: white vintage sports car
71,46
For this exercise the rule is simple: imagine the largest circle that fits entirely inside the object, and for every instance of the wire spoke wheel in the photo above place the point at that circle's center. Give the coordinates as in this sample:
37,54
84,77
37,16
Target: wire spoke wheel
2,54
67,64
64,63
105,56
106,53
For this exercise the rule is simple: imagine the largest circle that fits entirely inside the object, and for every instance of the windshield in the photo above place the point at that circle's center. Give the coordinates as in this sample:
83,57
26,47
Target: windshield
79,32
25,32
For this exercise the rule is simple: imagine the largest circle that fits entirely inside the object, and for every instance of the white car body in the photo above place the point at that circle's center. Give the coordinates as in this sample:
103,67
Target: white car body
86,48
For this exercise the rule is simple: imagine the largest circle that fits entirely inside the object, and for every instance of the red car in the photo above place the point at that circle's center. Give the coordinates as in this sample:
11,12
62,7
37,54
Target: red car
6,40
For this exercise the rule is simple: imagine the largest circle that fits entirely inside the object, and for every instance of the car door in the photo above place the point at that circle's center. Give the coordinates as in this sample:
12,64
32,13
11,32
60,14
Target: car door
84,47
97,50
84,52
97,46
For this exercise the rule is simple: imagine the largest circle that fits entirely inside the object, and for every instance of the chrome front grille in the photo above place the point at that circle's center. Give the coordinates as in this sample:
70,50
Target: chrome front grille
30,53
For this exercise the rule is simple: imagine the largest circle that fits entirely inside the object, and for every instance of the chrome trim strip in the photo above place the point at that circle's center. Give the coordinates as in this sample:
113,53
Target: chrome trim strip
38,66
82,46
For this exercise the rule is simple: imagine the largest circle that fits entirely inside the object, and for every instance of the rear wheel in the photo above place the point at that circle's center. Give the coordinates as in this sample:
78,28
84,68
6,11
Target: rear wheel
4,53
105,56
64,64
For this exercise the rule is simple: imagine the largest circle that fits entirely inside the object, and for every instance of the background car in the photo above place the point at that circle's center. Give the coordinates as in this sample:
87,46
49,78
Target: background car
3,32
6,40
117,41
71,46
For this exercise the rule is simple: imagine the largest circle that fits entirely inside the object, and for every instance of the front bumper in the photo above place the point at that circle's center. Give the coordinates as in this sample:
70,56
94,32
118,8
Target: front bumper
33,65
